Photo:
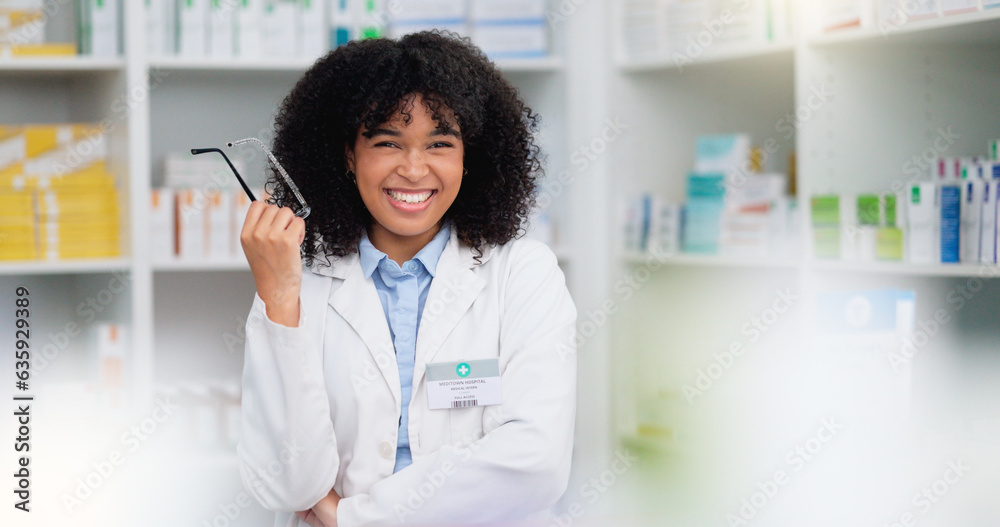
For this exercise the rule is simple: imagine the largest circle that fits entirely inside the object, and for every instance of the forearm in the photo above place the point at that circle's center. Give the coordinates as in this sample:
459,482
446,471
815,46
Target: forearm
287,451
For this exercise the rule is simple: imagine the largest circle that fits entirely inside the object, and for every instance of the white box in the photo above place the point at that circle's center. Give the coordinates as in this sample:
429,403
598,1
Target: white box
218,224
850,232
222,29
922,228
192,30
104,28
954,7
430,12
840,14
528,40
161,20
480,10
988,227
971,211
161,225
279,28
727,154
109,341
921,9
250,29
398,30
190,224
312,28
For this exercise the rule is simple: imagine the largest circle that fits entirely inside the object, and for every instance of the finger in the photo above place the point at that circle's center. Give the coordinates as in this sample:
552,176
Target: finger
253,216
266,219
298,226
283,218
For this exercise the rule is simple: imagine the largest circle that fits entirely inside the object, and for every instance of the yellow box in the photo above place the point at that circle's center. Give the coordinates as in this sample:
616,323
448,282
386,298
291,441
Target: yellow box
79,231
53,49
96,249
41,138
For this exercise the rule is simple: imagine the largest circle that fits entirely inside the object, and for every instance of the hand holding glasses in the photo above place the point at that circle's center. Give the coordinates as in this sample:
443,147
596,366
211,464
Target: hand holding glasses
303,210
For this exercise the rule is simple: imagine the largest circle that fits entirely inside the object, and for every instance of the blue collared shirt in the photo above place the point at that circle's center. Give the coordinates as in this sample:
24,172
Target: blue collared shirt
403,291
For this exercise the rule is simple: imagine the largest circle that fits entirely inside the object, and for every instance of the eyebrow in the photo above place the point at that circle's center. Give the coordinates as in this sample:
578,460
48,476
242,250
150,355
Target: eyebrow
395,133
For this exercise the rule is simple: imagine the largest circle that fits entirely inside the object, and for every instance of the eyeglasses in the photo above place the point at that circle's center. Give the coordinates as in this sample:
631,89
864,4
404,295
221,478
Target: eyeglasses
304,209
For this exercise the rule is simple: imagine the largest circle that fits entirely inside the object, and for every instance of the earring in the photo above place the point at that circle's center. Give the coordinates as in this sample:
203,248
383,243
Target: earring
352,175
465,172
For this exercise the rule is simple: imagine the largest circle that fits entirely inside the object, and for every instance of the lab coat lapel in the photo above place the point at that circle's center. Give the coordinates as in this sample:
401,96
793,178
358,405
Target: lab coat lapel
452,291
358,303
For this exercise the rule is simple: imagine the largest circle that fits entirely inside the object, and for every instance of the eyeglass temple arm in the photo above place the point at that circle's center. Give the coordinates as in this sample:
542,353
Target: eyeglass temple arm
196,151
304,208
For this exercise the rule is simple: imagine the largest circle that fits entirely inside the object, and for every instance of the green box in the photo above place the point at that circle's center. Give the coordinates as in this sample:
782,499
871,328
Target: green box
889,244
826,242
825,210
868,208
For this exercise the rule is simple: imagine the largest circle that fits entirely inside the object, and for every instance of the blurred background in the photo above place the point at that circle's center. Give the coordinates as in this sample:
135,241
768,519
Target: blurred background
778,220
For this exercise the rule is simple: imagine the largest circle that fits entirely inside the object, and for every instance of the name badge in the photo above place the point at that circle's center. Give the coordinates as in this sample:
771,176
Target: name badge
463,384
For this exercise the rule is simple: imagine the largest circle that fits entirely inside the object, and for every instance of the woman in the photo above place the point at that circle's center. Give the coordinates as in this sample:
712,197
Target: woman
408,358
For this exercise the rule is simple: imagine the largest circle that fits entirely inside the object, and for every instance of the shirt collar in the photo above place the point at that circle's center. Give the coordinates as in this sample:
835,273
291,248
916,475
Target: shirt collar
428,256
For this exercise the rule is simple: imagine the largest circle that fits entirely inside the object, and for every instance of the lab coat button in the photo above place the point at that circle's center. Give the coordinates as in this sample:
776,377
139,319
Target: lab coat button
385,450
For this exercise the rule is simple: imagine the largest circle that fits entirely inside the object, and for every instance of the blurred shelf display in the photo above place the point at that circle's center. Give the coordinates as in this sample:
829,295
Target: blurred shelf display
702,260
93,265
60,65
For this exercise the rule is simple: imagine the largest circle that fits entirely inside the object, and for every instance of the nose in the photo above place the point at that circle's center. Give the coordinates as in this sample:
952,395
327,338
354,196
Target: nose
414,165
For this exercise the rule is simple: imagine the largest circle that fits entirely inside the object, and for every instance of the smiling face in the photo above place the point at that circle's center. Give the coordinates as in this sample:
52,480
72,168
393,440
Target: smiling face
408,175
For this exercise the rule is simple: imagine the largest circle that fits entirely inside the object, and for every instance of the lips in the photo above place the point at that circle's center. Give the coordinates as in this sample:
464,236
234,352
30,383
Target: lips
409,196
409,200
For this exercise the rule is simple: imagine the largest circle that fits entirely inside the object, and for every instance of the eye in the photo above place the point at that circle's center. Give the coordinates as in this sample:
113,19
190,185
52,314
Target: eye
389,144
441,144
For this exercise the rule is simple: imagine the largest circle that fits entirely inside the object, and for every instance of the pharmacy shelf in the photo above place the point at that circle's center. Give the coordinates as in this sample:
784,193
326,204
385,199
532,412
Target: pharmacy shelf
544,64
247,65
199,266
984,270
36,267
723,58
979,26
709,260
60,65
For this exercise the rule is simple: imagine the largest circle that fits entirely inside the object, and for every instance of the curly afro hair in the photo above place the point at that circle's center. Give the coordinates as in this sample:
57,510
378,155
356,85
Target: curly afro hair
366,83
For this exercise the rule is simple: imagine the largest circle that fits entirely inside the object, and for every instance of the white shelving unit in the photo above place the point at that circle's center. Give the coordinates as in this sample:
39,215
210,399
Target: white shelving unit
185,319
888,99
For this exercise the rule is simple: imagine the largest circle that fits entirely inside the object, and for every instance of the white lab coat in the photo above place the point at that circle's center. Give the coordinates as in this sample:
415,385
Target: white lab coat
321,402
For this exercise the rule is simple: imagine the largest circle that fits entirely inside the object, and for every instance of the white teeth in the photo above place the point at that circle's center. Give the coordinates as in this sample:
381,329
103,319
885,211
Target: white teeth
410,198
